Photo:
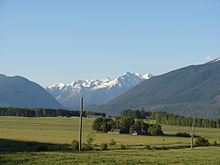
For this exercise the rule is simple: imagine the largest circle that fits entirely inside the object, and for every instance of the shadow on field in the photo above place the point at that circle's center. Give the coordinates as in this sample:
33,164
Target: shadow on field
7,145
10,146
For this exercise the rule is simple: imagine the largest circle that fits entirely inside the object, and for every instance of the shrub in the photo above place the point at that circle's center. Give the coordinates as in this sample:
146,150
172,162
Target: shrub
75,145
147,148
215,143
123,147
87,147
95,145
104,146
183,134
200,141
42,147
90,139
112,142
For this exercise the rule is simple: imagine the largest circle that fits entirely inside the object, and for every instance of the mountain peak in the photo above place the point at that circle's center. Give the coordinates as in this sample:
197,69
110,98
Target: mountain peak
17,91
128,73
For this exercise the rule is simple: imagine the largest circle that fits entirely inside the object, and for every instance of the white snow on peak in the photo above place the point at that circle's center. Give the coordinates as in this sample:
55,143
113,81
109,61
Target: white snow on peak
106,79
138,74
57,85
106,84
95,91
216,60
147,76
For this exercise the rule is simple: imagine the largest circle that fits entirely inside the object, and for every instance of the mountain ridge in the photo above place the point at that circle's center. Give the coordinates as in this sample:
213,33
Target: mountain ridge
195,86
94,91
17,91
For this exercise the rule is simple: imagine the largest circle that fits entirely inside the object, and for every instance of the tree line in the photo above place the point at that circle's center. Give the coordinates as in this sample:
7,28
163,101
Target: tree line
173,119
43,112
136,114
127,125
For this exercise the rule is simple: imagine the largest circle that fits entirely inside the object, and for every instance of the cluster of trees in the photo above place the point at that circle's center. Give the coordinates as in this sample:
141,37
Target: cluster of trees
126,125
42,112
201,141
103,124
136,114
172,119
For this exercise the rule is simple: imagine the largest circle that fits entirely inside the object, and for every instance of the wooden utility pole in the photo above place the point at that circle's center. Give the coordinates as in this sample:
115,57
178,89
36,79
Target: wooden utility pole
80,125
217,123
192,133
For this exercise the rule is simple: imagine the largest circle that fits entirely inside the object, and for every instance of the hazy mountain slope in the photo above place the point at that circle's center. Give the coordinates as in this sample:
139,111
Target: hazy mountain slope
198,84
94,91
19,92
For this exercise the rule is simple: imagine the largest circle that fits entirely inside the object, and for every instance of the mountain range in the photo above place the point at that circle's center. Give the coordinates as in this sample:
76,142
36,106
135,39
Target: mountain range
18,91
189,91
95,92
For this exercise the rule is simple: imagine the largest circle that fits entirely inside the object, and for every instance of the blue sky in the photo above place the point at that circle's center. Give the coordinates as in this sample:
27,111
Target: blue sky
50,41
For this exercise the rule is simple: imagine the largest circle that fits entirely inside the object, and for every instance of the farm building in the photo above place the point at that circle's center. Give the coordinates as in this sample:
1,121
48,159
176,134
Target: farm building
114,131
135,133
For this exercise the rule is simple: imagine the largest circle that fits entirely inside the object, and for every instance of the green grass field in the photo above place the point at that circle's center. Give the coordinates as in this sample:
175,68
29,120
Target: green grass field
15,131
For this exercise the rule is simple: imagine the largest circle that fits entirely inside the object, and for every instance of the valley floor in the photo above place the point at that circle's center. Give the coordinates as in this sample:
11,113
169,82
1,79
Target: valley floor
18,135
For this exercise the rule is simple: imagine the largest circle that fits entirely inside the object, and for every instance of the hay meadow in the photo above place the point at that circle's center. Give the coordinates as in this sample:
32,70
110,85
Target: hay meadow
18,133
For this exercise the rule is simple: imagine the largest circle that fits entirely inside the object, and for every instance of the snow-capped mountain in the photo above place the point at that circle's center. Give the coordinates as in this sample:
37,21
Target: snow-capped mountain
94,91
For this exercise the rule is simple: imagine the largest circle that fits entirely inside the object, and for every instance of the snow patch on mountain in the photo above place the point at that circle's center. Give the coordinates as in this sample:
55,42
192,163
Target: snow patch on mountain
215,60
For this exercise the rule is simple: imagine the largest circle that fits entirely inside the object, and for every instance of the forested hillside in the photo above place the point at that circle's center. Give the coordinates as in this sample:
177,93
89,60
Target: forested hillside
18,91
194,88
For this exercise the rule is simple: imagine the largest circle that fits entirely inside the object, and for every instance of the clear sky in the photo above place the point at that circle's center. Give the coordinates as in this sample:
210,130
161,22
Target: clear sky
50,41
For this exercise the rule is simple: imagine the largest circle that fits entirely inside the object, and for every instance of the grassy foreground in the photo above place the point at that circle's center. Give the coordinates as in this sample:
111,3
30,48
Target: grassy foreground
64,130
201,156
